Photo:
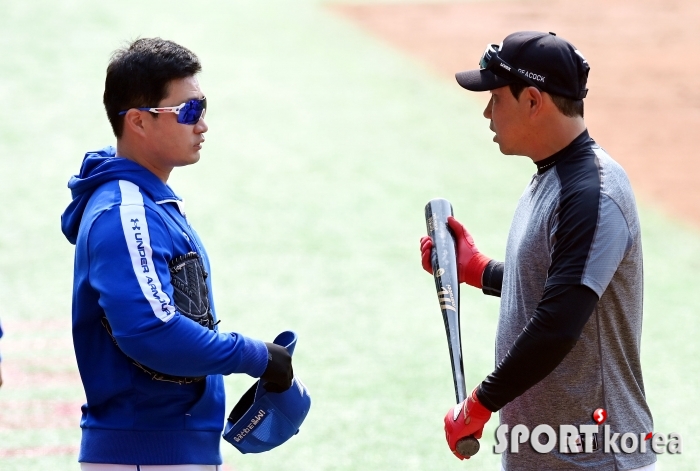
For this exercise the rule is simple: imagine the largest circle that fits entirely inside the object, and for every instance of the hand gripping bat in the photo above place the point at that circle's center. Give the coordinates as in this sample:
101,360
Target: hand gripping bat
444,263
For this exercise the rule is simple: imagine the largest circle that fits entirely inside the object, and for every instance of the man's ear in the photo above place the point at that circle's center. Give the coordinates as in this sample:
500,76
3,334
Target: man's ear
133,121
535,100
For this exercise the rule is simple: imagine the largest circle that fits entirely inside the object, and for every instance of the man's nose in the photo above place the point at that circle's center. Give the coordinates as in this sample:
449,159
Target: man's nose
487,110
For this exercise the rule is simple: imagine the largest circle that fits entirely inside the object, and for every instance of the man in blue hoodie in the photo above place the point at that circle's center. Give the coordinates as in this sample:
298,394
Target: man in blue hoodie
150,356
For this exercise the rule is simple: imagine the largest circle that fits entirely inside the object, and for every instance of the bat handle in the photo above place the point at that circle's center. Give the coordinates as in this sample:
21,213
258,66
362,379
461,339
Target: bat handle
467,446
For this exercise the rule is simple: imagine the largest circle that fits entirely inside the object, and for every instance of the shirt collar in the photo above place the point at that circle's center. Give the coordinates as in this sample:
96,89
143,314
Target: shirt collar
545,164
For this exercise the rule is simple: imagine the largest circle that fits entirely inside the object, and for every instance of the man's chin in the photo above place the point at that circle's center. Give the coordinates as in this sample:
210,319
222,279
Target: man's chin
506,151
194,158
191,159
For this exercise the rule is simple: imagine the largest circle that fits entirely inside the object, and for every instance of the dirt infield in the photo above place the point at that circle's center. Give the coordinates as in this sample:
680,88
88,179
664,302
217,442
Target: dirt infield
644,100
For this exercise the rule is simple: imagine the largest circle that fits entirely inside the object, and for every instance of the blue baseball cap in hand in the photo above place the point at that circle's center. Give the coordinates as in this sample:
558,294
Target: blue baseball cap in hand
263,420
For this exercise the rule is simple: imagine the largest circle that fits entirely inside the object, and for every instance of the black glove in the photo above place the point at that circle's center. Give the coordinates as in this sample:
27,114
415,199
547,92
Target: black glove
279,374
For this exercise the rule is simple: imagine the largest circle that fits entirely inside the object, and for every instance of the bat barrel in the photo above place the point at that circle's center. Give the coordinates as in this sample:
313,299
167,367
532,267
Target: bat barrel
444,262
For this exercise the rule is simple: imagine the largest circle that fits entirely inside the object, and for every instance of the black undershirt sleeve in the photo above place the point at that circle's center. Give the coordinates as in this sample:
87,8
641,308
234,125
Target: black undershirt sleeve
547,338
492,278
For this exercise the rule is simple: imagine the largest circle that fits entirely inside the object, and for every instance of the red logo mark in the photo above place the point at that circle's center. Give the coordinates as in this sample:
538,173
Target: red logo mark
649,435
599,415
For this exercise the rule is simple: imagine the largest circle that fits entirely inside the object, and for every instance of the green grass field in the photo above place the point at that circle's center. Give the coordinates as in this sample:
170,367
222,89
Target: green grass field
324,146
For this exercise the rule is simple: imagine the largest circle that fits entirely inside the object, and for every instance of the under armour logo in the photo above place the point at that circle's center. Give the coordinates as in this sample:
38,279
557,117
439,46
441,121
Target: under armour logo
136,224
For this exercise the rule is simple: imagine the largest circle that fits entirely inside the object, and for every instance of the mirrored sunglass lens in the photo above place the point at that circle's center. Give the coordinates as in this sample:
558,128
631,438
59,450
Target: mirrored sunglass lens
491,49
484,61
192,111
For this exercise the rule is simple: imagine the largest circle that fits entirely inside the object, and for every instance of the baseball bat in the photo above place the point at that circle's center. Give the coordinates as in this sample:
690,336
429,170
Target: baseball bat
444,262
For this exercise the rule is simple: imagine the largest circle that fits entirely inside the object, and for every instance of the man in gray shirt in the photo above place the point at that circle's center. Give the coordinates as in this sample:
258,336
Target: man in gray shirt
569,330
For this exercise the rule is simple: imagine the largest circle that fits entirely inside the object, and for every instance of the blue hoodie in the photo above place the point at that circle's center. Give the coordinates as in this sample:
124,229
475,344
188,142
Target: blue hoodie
127,225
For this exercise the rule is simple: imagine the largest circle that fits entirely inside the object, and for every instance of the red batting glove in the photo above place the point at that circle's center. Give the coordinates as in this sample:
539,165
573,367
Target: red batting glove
426,246
470,262
464,420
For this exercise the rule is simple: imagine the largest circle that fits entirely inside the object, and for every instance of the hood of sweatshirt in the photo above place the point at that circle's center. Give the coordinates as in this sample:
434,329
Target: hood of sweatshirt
98,168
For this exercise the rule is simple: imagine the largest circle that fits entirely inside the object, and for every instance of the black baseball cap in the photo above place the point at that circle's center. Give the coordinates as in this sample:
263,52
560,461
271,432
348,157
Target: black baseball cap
542,60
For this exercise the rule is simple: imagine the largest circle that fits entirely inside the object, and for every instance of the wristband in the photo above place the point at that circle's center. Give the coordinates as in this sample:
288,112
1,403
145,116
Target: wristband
474,269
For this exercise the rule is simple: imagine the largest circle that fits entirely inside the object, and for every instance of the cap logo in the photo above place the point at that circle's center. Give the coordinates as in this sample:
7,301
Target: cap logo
532,75
255,420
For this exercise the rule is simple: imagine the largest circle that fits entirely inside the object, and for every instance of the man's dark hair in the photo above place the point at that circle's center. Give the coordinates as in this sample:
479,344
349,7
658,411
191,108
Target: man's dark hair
567,106
138,76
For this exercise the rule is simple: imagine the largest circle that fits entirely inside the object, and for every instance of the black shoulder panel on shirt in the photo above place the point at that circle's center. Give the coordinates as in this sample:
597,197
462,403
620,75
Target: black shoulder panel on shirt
577,213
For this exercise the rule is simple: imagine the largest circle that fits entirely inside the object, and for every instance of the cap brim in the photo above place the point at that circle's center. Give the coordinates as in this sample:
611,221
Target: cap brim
481,80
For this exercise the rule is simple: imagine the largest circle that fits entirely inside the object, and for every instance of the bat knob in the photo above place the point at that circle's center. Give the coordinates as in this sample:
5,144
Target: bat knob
468,446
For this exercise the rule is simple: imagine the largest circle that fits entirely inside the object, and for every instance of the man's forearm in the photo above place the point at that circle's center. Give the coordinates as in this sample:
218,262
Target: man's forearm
545,341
